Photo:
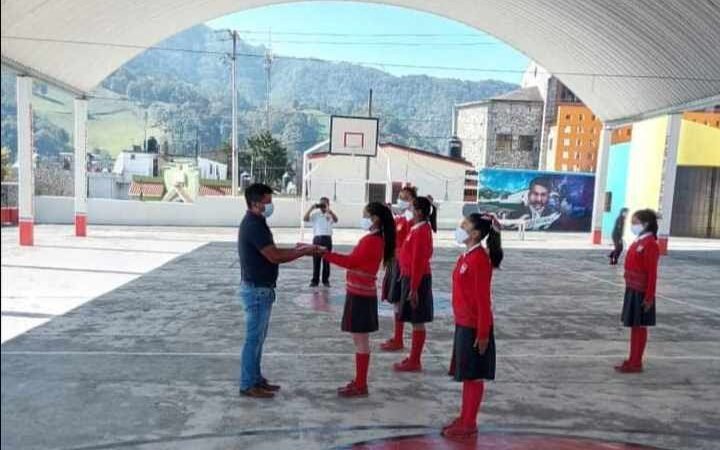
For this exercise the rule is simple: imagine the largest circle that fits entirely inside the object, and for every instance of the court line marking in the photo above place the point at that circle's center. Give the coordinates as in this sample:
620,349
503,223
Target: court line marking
315,355
72,269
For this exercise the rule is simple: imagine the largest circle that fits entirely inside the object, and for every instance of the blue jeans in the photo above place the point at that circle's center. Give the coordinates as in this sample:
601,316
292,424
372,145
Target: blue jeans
258,303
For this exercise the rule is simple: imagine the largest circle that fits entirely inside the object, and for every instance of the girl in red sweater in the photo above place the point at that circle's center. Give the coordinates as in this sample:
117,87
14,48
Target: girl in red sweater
392,288
416,280
360,316
474,345
641,263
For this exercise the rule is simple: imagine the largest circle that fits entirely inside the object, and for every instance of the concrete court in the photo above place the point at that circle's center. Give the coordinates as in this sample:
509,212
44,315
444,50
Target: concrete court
152,362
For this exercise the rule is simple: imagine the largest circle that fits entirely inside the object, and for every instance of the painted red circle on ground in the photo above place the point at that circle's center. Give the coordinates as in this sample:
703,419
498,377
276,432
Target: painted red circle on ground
495,442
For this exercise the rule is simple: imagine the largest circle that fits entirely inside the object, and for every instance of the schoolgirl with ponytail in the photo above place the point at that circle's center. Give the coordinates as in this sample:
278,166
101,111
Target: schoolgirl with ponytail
416,280
360,315
474,344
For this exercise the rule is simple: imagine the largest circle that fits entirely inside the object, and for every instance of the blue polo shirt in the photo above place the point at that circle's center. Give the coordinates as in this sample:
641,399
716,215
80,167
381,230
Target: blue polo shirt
254,235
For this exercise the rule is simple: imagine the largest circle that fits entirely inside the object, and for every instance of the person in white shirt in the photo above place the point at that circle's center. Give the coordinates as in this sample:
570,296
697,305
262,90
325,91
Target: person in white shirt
322,219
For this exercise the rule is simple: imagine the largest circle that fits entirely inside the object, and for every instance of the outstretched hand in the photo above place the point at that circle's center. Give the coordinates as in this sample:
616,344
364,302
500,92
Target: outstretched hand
481,345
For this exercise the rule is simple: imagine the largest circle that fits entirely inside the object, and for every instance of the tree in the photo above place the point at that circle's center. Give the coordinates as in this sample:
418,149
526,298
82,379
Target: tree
6,163
267,157
152,145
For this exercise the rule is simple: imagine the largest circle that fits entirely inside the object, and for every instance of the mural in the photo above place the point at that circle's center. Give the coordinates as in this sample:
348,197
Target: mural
548,201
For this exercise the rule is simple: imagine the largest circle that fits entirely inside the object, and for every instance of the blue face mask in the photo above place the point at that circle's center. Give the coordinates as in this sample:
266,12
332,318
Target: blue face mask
268,211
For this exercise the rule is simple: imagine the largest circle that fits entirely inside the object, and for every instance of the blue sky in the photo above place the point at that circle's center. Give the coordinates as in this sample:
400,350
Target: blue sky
363,32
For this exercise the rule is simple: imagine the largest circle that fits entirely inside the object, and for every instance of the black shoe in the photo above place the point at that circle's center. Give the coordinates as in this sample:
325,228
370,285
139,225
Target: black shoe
265,384
313,284
326,284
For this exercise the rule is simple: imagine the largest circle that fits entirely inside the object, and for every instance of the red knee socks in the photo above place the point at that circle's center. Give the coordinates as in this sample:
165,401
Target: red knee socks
418,341
472,395
399,329
638,340
362,363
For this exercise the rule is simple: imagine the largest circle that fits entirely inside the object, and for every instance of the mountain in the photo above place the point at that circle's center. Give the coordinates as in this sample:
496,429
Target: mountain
186,97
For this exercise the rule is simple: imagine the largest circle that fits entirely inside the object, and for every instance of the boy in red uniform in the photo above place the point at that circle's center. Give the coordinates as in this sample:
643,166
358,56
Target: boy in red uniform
360,316
391,282
641,263
416,280
474,345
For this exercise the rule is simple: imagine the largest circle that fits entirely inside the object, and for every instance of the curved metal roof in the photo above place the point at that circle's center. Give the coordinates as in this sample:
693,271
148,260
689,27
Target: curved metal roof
623,58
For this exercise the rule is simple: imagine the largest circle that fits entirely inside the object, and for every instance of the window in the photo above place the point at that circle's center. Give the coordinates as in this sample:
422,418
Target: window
564,167
503,142
577,155
578,142
567,129
576,168
608,201
376,192
582,117
566,154
567,116
580,129
526,143
566,142
593,118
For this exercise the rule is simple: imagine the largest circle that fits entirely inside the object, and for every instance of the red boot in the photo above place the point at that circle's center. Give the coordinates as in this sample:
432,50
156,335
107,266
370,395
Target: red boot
391,345
352,390
407,365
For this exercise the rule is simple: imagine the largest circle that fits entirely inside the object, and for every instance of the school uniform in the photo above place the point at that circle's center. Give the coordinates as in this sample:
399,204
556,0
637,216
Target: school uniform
415,274
391,282
472,309
641,264
360,314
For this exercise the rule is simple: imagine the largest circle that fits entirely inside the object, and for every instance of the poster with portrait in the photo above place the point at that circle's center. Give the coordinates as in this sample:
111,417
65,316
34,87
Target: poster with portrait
543,201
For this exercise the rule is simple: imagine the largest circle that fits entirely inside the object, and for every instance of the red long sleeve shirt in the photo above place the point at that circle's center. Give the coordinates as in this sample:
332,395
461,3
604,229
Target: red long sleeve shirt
641,263
402,228
362,265
414,256
471,291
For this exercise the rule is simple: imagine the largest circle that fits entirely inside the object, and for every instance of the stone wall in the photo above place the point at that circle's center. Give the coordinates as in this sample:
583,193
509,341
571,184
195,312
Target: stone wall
471,128
516,119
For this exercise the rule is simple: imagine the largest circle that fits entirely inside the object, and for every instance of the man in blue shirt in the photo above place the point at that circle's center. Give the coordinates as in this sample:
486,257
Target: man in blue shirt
259,260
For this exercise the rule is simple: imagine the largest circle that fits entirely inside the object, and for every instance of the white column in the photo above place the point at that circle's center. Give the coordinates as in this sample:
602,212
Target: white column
80,166
601,172
26,184
667,186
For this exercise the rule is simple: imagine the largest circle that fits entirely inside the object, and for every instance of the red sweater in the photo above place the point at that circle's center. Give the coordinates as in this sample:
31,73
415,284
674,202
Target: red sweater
641,263
414,256
402,228
362,265
471,291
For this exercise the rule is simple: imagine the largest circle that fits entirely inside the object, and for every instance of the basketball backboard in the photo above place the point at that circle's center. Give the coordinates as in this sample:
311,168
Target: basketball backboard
357,136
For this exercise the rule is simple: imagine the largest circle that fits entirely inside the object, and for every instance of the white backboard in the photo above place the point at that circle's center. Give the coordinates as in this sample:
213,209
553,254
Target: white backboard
357,136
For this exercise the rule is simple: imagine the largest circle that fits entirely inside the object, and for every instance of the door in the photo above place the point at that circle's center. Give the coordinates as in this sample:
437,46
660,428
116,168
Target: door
696,205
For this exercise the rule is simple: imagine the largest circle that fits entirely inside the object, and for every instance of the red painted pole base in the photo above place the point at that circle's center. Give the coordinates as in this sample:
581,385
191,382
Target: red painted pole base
26,231
597,237
663,245
80,225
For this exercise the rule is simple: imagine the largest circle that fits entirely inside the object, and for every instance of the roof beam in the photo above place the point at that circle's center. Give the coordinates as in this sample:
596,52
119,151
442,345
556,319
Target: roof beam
29,71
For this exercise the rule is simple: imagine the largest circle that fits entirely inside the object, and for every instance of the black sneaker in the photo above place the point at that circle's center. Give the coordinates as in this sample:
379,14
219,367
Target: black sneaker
313,284
327,285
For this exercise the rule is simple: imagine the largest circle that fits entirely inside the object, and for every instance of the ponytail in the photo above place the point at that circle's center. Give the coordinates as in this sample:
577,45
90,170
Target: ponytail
387,230
489,227
433,218
428,211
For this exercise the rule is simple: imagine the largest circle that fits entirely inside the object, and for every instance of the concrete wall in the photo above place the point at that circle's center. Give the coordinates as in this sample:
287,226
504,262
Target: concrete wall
472,129
207,211
619,158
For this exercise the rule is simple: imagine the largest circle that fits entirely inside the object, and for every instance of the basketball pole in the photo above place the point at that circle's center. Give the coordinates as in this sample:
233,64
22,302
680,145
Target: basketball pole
367,158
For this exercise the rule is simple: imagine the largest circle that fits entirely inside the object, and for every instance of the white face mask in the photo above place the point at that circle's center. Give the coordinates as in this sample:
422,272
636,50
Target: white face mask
409,215
268,211
403,204
637,228
366,223
461,235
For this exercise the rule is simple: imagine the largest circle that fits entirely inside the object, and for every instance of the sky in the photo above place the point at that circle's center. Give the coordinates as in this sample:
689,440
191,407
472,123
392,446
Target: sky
371,33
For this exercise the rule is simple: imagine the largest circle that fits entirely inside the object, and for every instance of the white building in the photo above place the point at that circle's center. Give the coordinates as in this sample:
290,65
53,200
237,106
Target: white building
343,178
128,164
212,170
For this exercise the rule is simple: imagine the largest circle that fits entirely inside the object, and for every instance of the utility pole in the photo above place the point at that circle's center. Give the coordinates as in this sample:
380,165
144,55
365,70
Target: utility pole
268,85
233,89
367,158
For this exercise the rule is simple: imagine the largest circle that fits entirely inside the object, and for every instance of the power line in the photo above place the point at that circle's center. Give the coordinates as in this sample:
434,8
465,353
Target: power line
313,33
369,63
381,43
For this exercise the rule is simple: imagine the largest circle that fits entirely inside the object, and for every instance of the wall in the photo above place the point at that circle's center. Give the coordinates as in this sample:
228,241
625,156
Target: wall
207,211
516,118
472,128
576,142
619,158
699,145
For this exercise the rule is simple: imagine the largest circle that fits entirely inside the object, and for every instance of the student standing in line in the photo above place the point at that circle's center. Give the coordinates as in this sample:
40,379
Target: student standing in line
322,222
617,236
391,282
474,344
360,316
416,280
641,264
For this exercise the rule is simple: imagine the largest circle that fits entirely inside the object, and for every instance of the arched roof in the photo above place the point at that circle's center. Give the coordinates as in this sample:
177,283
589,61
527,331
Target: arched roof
646,56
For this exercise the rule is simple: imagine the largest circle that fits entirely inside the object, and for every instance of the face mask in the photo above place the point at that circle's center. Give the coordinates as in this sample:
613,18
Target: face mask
461,235
409,215
366,223
402,204
268,211
637,229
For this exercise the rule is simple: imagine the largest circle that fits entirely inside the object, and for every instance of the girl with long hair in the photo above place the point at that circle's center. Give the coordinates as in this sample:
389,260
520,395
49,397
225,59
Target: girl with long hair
416,280
474,344
391,291
360,315
641,265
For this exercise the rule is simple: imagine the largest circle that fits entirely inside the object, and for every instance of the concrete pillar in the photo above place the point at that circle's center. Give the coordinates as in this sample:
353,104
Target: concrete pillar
26,183
601,173
80,167
667,185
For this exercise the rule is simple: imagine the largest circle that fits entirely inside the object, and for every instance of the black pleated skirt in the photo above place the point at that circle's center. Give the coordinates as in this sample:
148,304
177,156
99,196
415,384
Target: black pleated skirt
360,314
468,363
423,313
633,314
392,288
